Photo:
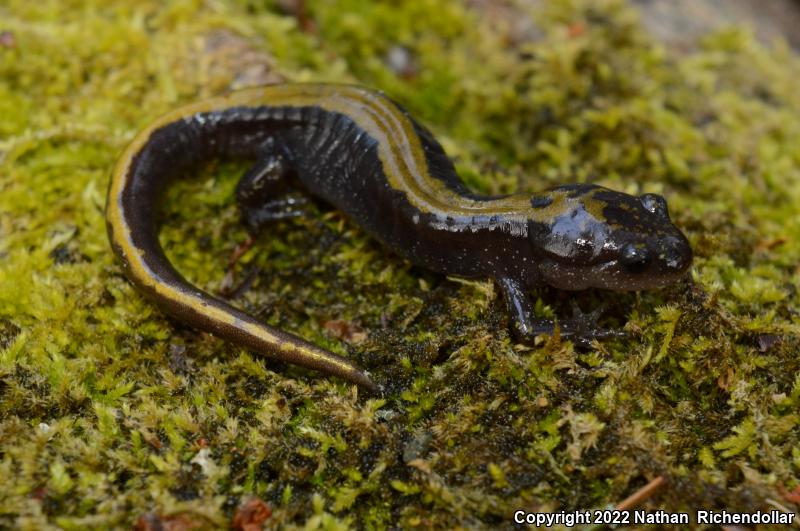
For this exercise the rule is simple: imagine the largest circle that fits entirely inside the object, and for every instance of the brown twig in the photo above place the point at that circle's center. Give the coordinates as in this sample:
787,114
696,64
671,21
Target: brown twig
641,495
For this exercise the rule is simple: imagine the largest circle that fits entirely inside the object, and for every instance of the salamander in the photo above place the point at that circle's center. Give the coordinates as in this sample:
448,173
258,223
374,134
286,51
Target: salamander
361,152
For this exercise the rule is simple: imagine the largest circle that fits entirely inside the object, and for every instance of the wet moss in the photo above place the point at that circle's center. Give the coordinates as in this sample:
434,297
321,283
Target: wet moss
110,411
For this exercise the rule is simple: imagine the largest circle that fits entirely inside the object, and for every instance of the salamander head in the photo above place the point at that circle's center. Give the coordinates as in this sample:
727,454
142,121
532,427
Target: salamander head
587,236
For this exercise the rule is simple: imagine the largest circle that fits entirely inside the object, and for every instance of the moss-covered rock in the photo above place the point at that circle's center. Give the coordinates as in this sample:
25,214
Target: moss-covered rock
111,413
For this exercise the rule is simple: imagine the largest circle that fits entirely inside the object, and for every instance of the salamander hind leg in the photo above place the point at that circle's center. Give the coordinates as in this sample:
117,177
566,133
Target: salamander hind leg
265,193
582,328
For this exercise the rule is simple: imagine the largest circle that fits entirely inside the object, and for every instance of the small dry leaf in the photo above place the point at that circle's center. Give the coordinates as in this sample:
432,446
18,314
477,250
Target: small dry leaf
251,514
345,330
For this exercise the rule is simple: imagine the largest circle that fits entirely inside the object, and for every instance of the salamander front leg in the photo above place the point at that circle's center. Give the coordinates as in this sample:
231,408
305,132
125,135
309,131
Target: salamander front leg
265,192
582,328
520,309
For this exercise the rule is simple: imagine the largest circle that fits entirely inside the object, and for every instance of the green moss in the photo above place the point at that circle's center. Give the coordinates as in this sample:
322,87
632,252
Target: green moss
110,412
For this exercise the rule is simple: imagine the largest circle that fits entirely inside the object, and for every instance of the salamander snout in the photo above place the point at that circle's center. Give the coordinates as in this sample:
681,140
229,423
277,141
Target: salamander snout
665,257
662,251
674,255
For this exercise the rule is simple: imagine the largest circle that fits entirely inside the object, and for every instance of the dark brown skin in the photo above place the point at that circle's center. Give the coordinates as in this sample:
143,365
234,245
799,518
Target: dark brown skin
360,152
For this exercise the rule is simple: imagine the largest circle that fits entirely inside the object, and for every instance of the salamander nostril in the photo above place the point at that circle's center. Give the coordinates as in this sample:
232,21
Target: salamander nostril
635,257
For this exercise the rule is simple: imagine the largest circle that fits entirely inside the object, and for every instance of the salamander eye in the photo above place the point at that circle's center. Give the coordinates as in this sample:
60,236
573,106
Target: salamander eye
656,204
635,257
